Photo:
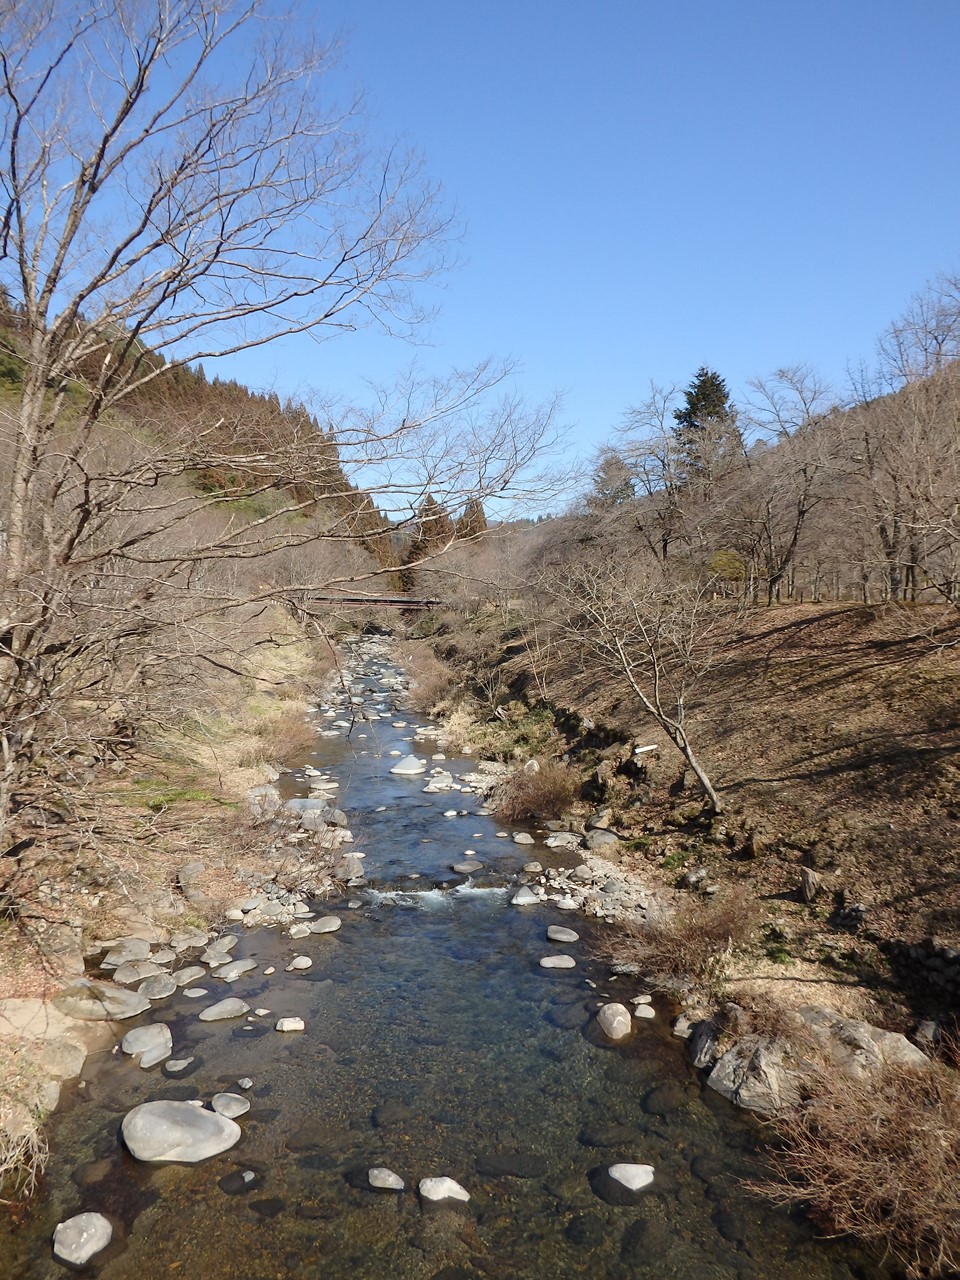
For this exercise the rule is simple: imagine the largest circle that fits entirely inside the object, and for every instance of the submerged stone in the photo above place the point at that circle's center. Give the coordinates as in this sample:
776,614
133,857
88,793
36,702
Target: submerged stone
78,1239
436,1189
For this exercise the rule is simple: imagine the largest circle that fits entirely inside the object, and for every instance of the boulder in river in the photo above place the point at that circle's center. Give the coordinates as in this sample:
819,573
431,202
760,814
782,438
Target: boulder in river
557,933
326,924
151,1039
177,1132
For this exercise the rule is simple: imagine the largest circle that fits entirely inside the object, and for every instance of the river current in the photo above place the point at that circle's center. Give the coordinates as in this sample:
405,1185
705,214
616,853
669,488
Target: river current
435,1045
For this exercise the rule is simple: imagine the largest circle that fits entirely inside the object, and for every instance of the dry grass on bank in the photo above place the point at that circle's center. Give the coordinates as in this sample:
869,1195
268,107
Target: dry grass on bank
878,1158
544,794
695,943
23,1146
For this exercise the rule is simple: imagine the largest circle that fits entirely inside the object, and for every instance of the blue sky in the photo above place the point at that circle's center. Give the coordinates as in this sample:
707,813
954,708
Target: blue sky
647,187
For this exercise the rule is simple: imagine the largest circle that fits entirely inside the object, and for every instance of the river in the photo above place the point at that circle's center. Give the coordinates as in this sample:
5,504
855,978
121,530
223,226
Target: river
435,1045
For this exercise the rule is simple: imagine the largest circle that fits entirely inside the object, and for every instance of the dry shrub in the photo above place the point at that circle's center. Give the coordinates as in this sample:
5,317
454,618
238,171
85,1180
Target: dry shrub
695,942
431,678
283,737
878,1158
544,794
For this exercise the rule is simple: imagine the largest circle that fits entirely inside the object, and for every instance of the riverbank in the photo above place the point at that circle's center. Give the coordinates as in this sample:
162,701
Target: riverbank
159,839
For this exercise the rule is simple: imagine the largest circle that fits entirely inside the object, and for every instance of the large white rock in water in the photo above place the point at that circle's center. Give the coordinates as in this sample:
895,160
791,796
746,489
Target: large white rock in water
299,962
177,1132
150,1039
76,1240
409,766
229,1008
615,1022
385,1180
558,962
632,1176
524,897
442,1189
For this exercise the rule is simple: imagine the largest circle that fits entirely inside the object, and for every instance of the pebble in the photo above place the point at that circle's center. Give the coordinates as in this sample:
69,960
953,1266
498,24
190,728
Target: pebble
557,962
290,1024
269,970
244,1083
176,1065
193,993
385,1180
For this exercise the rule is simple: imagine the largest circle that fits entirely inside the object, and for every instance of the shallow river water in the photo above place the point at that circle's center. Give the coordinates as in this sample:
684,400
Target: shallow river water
434,1045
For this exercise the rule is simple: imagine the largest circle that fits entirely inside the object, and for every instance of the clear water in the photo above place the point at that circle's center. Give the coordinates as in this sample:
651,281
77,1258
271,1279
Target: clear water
435,1044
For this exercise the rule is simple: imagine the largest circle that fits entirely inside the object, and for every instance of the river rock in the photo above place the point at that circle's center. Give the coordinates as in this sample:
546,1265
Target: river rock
557,933
856,1046
557,962
614,1021
436,1189
157,988
607,841
299,931
230,1105
184,939
183,977
644,1011
77,1239
233,969
523,837
179,1132
632,1176
229,1008
326,924
135,971
752,1074
124,950
524,897
149,1039
468,867
564,840
93,1001
177,1066
409,766
298,963
385,1180
290,1024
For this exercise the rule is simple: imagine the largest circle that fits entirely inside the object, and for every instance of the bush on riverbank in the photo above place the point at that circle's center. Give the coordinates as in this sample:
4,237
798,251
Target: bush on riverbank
878,1158
693,945
545,793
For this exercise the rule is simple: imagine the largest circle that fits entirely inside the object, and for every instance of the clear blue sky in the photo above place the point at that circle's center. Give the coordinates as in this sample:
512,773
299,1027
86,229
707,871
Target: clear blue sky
649,186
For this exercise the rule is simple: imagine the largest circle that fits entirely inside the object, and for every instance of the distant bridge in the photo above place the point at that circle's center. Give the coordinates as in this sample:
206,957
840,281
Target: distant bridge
306,599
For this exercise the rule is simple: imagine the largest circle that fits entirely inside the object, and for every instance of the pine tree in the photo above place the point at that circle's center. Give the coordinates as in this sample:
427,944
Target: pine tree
706,431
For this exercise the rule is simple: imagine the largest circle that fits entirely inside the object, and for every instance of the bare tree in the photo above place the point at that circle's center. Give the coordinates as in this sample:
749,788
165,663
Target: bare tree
659,633
175,186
